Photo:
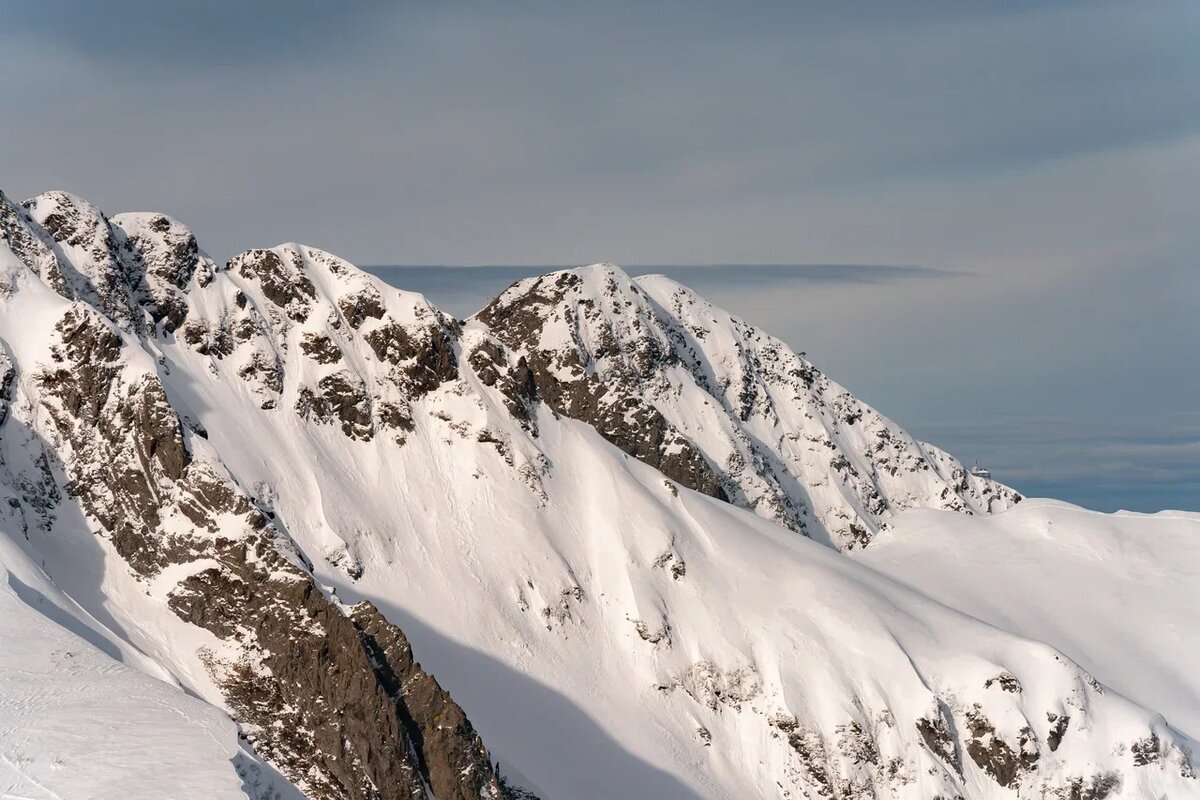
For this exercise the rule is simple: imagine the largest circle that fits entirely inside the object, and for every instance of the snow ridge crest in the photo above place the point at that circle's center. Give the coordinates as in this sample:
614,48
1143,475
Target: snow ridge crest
721,406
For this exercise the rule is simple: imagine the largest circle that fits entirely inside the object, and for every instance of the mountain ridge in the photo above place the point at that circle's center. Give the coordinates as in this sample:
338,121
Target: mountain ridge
254,441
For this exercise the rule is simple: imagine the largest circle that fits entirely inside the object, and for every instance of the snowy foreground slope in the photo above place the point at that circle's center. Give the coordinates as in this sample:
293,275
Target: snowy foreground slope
75,722
639,548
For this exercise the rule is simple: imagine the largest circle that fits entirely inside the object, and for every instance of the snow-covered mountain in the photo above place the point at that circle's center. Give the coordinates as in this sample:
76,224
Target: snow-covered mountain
639,549
773,433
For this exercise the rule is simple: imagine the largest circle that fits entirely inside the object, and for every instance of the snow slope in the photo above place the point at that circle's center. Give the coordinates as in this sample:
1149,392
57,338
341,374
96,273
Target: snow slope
1118,593
585,508
593,670
77,723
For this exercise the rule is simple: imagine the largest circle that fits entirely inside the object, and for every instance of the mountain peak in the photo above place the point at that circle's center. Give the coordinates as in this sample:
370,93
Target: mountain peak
775,434
602,504
734,412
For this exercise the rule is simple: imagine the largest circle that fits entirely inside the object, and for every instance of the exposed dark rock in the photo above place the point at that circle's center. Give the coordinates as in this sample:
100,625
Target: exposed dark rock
1099,786
612,346
101,277
334,697
160,257
858,535
205,495
632,425
217,341
392,415
264,372
342,397
8,373
320,348
426,356
244,329
452,756
995,756
89,348
936,735
357,308
661,634
1058,729
127,442
672,562
287,288
858,745
1146,751
810,750
1005,681
335,701
157,432
28,248
614,409
517,385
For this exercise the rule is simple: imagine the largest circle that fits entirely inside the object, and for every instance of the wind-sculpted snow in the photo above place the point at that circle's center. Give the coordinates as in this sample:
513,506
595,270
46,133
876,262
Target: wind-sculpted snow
582,507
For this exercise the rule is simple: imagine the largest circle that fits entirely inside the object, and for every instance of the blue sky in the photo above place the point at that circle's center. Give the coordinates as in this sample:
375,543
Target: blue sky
1013,186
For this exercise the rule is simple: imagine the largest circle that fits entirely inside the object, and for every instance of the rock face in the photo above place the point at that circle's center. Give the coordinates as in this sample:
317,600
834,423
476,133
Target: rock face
562,379
561,481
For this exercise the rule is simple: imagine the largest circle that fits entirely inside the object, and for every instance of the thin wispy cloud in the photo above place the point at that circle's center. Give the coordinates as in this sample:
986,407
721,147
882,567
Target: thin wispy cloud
462,290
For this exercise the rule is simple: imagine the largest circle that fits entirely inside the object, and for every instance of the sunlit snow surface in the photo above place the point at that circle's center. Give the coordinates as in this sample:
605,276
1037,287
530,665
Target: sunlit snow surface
609,633
1118,593
77,723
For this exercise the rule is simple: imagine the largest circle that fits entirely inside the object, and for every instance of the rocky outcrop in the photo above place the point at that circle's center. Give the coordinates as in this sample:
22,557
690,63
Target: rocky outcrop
564,381
285,285
86,254
1004,763
935,733
366,358
161,257
321,348
341,397
134,268
332,697
516,383
17,232
330,694
8,375
715,404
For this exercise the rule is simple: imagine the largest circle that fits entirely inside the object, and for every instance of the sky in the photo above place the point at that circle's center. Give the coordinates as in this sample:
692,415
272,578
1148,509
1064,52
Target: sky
983,215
